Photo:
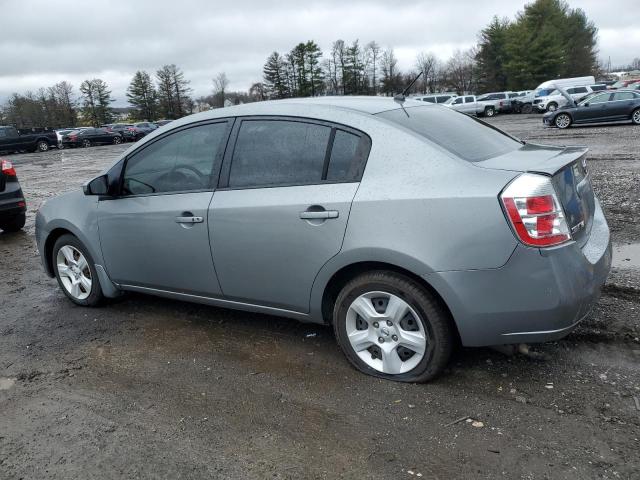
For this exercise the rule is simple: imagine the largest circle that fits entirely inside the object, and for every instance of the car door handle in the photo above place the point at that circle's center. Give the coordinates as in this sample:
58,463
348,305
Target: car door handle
319,215
189,219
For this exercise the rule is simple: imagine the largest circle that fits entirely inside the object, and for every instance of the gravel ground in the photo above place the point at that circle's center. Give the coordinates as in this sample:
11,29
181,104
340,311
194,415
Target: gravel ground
153,388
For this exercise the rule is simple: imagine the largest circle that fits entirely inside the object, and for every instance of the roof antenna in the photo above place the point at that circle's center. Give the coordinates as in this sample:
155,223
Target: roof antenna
402,97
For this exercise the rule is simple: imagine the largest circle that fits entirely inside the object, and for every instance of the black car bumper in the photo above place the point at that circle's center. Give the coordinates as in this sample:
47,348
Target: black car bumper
12,204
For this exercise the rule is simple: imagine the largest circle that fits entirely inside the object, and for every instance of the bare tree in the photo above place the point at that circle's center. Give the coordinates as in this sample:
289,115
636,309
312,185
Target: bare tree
460,71
427,63
373,54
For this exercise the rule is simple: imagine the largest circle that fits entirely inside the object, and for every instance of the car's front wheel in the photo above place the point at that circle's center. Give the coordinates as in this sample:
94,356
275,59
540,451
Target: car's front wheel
76,272
635,116
562,120
117,140
13,224
86,143
489,112
391,327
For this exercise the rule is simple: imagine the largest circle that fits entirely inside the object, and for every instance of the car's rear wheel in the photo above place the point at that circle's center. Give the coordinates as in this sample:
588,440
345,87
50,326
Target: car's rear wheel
552,107
391,327
117,140
635,116
489,112
13,224
86,143
562,120
526,108
76,272
42,146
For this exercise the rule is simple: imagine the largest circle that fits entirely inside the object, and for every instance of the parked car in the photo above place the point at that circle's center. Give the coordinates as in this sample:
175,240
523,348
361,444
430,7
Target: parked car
146,127
436,98
12,203
496,102
13,140
91,136
469,104
60,133
403,225
623,83
555,99
162,123
128,131
602,107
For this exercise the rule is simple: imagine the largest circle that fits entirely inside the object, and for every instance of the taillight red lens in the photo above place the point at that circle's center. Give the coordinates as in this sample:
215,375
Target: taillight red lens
534,211
7,168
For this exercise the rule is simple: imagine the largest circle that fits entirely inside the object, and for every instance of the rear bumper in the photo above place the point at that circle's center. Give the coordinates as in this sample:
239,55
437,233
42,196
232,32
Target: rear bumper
537,296
12,202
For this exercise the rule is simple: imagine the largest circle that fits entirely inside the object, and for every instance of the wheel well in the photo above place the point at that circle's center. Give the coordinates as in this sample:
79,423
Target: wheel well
345,274
48,247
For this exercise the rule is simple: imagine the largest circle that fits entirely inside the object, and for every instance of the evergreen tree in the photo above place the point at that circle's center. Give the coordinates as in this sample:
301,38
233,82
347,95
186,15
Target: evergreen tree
142,96
275,77
492,55
96,102
173,92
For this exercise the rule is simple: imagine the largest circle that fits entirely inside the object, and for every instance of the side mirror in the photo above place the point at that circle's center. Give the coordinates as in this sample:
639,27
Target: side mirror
97,186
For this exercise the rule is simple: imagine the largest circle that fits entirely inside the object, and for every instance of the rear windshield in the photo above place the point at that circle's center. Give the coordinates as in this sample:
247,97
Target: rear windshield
460,134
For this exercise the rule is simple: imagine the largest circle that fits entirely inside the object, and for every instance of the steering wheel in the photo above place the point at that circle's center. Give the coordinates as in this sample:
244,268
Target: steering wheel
184,176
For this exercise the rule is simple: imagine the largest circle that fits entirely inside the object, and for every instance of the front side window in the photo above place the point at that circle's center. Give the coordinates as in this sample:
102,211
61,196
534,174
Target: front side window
429,99
457,101
603,97
182,161
443,98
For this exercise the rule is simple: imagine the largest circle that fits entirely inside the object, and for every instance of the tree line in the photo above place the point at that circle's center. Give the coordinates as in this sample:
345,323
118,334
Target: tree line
548,39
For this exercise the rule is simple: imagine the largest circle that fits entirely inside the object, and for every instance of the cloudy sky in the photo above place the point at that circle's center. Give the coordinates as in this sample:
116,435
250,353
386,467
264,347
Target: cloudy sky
43,42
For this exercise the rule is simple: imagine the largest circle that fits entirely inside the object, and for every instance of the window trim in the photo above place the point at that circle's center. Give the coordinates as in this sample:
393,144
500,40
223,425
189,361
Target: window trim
364,146
215,169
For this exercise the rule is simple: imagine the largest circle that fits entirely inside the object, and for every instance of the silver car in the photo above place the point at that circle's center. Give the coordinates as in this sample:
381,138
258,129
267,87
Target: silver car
406,226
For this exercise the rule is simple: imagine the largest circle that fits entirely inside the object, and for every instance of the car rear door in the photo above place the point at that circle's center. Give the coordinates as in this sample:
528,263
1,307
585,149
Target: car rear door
282,205
154,234
622,105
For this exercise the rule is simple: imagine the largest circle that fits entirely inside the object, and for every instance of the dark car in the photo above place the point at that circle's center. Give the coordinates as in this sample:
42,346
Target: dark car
146,127
13,140
12,203
129,132
91,136
602,107
162,123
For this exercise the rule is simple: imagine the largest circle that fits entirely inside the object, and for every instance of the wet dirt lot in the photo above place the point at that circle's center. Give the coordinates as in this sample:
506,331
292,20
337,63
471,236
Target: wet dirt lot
151,388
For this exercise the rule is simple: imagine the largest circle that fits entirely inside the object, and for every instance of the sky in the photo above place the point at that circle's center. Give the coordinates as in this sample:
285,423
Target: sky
111,39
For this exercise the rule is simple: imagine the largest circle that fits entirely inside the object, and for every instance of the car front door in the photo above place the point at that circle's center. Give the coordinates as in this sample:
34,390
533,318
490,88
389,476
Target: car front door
281,209
470,104
154,234
593,109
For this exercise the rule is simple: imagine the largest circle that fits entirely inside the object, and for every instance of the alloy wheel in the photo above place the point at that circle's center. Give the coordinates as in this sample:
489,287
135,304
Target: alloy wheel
86,143
636,117
563,121
43,146
386,332
74,272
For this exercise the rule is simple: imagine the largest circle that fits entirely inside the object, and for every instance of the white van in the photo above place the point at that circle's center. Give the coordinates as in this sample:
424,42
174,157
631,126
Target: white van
545,88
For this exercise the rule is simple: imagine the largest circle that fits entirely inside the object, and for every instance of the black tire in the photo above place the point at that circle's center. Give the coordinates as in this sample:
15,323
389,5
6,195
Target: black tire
95,296
526,108
13,224
552,107
489,111
86,143
42,146
562,120
434,318
117,140
635,116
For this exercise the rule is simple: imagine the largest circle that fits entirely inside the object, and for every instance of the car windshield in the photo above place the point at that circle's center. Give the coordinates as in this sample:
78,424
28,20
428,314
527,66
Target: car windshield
462,135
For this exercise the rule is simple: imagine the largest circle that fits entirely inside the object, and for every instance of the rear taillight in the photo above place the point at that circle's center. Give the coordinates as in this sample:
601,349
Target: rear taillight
7,168
534,211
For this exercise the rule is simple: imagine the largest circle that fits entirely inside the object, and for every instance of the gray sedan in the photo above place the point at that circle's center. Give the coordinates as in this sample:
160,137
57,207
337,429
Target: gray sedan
407,227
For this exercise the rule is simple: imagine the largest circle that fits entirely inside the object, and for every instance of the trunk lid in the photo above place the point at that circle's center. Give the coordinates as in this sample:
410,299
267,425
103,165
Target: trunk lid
567,168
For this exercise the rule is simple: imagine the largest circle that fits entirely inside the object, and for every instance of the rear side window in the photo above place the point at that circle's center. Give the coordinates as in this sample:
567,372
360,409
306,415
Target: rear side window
442,98
469,99
345,162
623,96
278,152
462,135
429,99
